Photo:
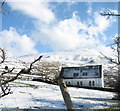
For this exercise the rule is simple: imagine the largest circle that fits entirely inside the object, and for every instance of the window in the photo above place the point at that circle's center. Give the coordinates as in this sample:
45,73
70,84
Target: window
90,67
81,84
68,83
66,71
78,83
95,67
96,73
84,74
89,83
76,68
93,83
75,74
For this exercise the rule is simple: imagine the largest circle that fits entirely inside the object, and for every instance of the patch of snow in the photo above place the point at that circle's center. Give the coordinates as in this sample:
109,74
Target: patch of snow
48,96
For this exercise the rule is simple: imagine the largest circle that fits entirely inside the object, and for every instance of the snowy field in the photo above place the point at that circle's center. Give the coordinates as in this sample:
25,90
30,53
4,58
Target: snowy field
38,95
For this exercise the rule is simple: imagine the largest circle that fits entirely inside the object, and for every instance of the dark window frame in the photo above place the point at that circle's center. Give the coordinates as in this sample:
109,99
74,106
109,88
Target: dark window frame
90,83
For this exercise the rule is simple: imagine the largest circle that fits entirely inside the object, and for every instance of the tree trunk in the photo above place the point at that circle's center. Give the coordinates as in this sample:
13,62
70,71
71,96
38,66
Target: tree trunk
65,95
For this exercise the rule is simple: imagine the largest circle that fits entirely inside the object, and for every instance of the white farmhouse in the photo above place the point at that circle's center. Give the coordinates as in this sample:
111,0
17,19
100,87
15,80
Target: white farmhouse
84,76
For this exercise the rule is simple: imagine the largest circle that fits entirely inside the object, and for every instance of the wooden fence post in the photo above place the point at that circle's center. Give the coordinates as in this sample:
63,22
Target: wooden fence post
65,93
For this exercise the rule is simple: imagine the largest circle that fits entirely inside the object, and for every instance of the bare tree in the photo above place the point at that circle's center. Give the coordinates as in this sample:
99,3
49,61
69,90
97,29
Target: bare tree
5,79
109,13
2,2
48,71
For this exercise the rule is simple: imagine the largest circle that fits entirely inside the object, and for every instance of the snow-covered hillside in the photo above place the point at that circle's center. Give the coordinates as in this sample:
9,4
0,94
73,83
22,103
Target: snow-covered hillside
38,95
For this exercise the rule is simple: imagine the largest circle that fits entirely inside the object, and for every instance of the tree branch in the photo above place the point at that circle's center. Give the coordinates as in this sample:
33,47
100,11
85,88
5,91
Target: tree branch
3,2
25,71
9,71
109,13
2,56
5,90
110,59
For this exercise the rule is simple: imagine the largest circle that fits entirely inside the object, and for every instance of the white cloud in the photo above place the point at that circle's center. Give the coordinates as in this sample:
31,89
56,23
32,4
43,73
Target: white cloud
61,36
16,44
72,33
67,34
99,25
102,22
38,10
75,34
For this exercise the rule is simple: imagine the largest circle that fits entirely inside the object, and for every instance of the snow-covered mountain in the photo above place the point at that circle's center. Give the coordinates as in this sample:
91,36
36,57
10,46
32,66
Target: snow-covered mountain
70,58
78,56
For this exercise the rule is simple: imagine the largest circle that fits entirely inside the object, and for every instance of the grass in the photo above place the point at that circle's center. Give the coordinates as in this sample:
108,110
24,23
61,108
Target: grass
118,108
106,109
27,84
22,92
100,99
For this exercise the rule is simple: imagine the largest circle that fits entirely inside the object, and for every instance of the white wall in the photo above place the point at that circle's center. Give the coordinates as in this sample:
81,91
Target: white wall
86,74
85,82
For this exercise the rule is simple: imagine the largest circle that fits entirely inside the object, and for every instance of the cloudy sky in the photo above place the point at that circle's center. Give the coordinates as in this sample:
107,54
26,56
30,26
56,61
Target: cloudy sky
36,27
